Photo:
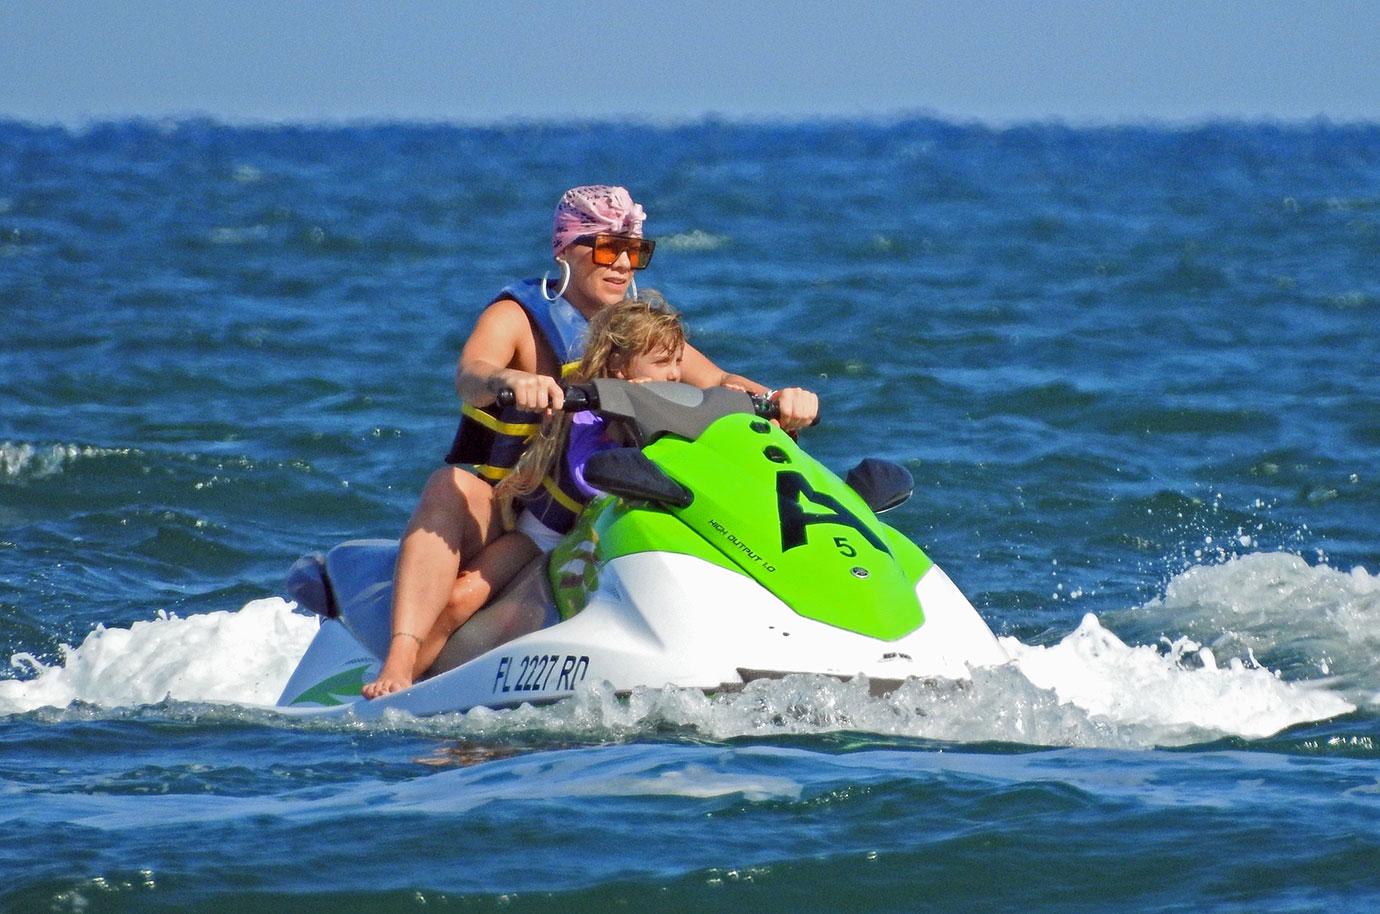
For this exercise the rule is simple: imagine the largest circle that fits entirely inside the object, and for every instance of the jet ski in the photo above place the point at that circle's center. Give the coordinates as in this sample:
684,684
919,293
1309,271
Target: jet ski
722,553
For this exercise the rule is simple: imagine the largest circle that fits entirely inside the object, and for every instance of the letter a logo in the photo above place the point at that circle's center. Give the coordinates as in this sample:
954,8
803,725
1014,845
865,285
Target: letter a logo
790,485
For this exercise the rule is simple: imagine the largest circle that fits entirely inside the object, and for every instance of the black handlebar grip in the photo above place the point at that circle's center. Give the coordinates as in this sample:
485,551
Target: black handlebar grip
578,398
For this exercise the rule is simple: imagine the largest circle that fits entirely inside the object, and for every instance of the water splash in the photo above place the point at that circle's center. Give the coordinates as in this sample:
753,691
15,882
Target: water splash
1307,620
244,656
1090,689
1179,695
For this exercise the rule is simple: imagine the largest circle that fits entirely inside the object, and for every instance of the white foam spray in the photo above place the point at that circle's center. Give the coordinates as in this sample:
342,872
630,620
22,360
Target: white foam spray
1178,695
245,656
1090,689
1310,620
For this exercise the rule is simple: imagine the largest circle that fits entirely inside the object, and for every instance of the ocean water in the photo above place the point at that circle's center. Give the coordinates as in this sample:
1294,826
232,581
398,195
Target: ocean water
1133,370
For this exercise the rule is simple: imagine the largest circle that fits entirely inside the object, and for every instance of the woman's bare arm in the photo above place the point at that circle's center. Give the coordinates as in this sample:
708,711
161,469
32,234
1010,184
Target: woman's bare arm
498,355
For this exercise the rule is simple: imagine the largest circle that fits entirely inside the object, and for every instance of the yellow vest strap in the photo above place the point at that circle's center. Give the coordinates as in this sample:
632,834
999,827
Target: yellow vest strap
491,473
562,499
515,429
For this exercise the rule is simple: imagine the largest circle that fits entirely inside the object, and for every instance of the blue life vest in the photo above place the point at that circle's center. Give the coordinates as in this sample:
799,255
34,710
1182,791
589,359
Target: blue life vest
492,438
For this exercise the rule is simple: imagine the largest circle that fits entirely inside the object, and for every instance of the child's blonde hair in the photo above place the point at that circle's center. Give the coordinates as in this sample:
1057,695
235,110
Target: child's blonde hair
617,334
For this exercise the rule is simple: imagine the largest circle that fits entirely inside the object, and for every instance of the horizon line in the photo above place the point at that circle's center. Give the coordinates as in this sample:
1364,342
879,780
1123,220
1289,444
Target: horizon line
1186,123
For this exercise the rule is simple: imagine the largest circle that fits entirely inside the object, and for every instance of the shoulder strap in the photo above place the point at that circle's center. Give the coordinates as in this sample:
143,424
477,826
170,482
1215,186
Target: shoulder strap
527,293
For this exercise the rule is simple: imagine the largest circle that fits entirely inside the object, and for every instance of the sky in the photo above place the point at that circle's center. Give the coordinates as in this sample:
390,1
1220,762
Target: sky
671,60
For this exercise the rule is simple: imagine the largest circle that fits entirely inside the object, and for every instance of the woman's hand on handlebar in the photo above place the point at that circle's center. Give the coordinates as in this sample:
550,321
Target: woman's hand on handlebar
796,408
531,392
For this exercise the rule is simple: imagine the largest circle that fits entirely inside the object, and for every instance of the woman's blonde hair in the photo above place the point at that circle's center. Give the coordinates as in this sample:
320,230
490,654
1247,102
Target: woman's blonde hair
617,334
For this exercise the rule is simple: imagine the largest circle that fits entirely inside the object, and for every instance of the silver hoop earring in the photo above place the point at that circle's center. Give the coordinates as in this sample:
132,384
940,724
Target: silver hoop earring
632,288
565,281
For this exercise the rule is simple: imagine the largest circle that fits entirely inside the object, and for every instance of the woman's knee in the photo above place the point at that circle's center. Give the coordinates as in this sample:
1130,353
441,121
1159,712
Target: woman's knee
453,492
466,597
451,483
458,505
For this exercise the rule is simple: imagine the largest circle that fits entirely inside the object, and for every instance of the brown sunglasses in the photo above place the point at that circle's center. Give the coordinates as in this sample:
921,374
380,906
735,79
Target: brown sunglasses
607,248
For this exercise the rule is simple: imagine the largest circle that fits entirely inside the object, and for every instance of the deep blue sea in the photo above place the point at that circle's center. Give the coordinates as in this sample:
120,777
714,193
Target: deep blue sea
1134,370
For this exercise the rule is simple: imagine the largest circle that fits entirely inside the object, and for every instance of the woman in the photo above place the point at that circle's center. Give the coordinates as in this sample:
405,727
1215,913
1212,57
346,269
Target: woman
520,343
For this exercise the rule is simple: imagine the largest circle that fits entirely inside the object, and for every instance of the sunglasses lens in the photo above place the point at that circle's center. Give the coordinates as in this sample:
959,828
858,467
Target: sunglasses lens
605,253
641,253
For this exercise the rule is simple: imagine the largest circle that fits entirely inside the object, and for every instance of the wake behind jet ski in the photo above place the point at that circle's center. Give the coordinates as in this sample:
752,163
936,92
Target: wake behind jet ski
722,554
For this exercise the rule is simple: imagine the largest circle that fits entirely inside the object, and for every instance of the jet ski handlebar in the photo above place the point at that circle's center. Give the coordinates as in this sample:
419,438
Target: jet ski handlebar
765,407
656,408
579,398
584,397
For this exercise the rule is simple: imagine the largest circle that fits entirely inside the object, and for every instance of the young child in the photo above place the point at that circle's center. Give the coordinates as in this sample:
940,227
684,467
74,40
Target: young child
639,340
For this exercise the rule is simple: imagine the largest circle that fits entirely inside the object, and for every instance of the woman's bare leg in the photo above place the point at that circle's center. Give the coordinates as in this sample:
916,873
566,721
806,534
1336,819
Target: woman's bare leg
454,518
479,580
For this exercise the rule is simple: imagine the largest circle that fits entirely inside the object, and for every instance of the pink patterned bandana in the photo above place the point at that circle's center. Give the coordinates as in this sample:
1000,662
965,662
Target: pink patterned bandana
592,209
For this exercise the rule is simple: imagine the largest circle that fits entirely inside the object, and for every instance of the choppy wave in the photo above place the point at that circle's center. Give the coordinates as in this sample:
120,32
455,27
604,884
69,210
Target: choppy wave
570,776
23,461
756,827
1089,689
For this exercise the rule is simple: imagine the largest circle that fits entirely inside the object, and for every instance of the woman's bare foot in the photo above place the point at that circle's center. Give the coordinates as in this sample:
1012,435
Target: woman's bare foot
396,674
385,685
